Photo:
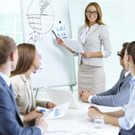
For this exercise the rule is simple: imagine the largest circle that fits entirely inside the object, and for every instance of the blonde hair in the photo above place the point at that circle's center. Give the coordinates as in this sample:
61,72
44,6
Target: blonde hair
99,19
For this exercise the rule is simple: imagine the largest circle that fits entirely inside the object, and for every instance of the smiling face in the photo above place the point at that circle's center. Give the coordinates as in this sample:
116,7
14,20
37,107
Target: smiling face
92,14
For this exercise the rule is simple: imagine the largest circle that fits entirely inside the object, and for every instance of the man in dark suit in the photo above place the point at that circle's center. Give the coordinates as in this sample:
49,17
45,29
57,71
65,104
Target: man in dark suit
10,122
118,95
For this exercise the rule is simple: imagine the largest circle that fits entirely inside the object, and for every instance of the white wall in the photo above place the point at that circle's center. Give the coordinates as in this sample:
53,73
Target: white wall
119,15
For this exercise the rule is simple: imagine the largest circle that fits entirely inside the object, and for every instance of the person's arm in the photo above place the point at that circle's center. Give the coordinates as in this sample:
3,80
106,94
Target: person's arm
9,120
60,42
117,114
118,99
114,89
111,91
87,55
41,103
86,95
45,104
105,41
110,118
32,115
128,121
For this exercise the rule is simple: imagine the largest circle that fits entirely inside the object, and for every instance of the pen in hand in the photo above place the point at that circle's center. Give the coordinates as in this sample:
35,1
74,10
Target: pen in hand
42,111
54,34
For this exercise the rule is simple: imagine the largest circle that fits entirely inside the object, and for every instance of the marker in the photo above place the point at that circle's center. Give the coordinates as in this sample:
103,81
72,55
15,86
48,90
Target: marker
42,111
54,33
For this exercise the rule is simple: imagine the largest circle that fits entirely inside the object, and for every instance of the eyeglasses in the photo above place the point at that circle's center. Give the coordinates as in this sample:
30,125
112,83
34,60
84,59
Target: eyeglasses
118,53
90,13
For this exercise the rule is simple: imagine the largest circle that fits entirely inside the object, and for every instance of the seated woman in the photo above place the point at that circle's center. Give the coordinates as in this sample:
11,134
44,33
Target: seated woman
28,61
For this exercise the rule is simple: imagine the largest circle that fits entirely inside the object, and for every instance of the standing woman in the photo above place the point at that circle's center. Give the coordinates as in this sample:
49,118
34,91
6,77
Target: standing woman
93,35
28,61
124,118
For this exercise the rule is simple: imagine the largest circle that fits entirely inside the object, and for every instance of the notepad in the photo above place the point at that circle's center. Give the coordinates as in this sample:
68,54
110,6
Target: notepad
74,45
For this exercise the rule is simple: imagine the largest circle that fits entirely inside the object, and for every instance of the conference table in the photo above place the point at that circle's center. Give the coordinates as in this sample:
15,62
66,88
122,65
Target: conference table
77,122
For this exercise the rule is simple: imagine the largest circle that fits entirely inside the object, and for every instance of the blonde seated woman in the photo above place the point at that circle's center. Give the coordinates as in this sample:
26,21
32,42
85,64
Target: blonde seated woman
28,61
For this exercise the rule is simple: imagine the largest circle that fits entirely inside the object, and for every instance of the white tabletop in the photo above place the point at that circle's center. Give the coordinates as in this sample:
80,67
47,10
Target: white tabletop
77,122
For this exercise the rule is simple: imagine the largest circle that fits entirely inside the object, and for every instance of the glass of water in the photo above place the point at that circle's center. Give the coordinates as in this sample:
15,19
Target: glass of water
98,121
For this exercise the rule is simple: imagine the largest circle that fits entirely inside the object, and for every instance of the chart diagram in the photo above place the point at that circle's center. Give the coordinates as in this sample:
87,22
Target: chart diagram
38,18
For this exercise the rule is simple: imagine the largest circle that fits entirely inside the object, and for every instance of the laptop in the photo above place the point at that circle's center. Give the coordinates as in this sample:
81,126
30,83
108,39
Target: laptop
63,96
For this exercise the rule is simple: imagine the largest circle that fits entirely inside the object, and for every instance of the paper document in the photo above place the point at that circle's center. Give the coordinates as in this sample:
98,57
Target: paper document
69,129
74,45
56,112
107,108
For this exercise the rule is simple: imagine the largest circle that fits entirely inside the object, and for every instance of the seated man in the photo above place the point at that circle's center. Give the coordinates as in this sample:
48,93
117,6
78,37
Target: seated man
10,122
118,95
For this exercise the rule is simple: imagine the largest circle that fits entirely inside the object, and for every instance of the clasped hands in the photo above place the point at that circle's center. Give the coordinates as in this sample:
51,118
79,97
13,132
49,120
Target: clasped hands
84,95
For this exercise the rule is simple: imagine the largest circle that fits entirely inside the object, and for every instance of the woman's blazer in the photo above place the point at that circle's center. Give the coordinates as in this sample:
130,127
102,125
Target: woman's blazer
96,38
20,86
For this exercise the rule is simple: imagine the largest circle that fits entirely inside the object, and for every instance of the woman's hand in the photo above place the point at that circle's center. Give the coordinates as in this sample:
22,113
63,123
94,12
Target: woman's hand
86,55
60,42
50,105
33,115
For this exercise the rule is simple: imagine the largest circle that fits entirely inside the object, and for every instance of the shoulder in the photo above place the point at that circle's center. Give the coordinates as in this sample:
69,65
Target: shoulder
103,27
15,79
18,80
18,84
122,71
81,28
